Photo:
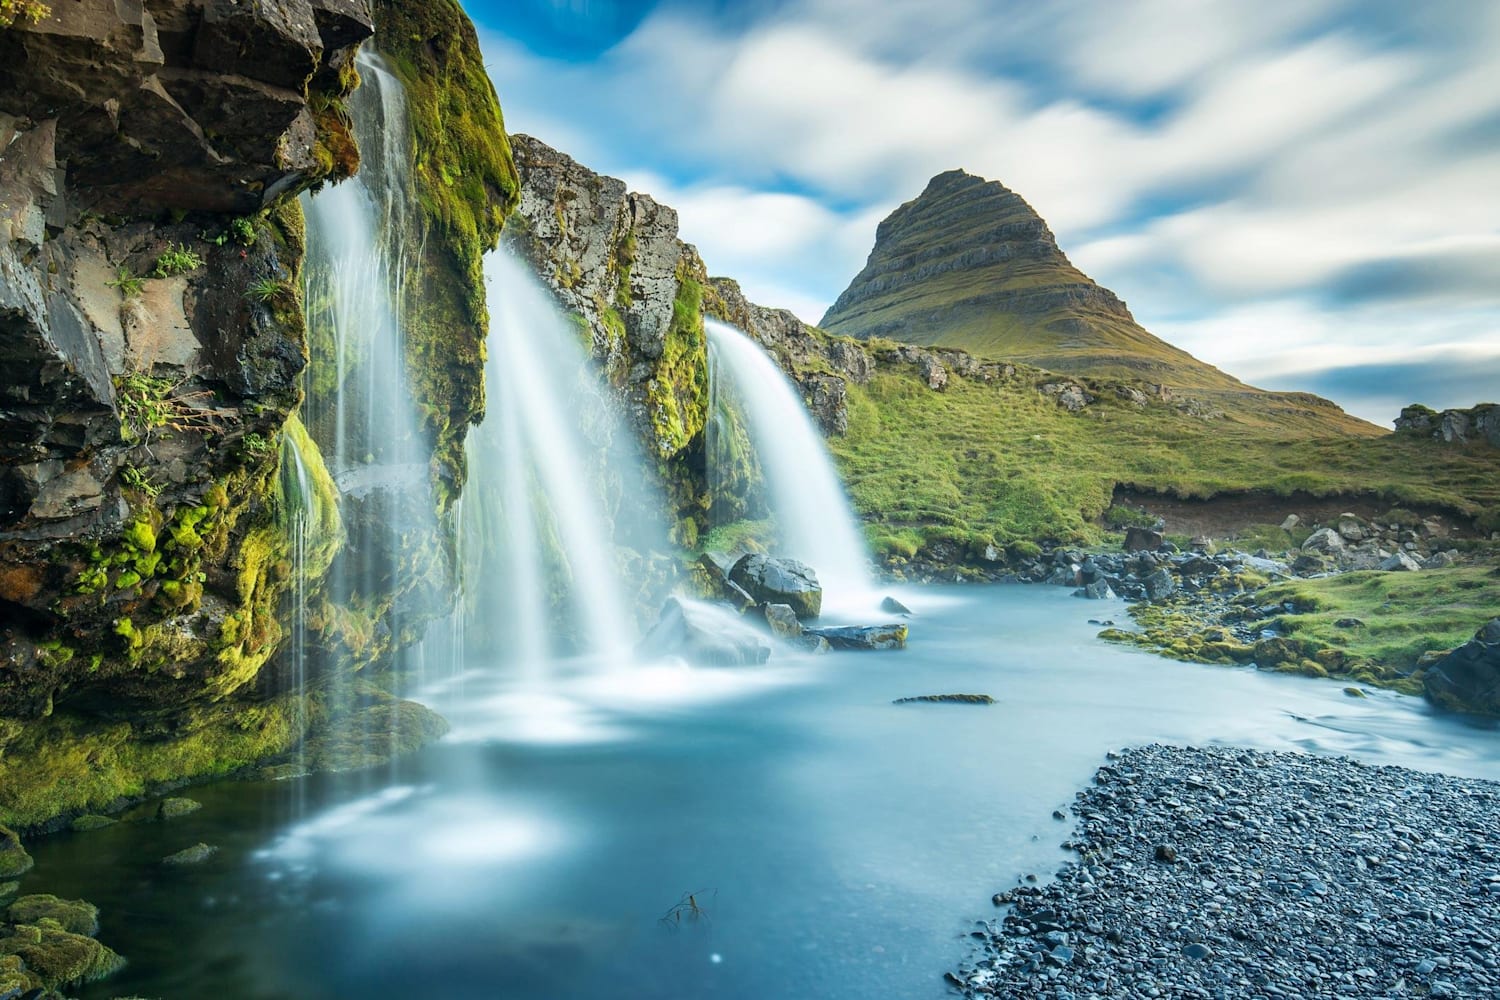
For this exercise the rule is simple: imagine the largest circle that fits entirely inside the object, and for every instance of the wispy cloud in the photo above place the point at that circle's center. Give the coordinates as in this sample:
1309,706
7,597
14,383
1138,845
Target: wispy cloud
1319,165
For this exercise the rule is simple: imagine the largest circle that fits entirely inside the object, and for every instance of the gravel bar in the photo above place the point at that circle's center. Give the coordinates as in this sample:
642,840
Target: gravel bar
1229,873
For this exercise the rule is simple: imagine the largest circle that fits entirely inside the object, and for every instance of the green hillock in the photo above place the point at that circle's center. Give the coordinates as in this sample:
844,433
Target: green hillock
993,463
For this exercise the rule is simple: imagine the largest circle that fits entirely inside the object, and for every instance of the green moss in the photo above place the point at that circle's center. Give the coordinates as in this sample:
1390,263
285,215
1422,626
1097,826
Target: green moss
14,861
65,763
677,398
1404,615
73,915
56,957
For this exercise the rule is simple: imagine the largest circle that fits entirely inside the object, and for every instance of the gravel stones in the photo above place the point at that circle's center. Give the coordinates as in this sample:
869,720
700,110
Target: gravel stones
1294,876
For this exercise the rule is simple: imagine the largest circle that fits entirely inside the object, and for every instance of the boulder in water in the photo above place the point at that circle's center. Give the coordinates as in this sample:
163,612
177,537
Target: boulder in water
947,699
862,636
782,620
703,634
779,581
892,606
1468,678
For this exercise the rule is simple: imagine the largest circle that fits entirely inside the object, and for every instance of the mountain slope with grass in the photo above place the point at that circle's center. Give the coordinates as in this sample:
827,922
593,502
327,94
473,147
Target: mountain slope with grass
970,264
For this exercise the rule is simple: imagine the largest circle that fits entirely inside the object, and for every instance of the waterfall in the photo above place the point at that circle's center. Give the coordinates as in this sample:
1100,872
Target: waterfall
357,406
802,490
357,263
541,567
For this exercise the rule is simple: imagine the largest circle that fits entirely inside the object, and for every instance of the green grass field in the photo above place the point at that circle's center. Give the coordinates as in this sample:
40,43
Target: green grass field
991,464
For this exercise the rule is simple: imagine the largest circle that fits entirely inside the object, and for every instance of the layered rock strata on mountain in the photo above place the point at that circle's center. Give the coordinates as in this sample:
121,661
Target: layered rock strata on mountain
970,264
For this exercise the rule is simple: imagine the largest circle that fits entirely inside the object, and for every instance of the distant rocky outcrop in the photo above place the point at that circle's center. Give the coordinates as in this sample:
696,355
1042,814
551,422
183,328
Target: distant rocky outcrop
1479,423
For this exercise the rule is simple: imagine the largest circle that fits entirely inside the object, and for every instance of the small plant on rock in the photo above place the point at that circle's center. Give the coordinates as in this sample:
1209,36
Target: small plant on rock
130,285
12,11
267,290
176,259
148,403
134,478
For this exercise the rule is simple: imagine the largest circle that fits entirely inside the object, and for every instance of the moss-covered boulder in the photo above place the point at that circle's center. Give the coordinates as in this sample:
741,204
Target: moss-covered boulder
55,957
14,860
76,916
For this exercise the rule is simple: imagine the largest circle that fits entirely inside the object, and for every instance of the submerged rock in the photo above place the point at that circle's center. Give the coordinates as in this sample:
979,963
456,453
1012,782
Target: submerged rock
955,699
91,822
863,636
703,634
779,581
195,855
175,807
1468,678
892,606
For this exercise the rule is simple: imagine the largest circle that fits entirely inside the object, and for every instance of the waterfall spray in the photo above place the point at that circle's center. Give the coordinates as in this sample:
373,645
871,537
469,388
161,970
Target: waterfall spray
802,489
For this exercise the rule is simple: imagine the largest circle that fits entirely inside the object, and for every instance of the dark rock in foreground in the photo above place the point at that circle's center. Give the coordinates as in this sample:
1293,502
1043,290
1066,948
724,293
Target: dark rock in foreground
1283,876
779,581
862,636
1468,679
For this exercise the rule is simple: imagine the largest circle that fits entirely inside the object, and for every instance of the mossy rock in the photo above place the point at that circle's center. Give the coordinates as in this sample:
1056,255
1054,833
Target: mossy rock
9,889
57,957
1284,650
90,822
14,861
175,807
195,855
13,978
76,916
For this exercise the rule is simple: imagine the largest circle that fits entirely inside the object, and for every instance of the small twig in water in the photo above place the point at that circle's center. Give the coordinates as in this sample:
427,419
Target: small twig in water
688,908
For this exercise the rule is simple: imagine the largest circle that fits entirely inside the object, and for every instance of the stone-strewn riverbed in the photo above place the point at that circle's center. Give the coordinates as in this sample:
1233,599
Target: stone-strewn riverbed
1228,873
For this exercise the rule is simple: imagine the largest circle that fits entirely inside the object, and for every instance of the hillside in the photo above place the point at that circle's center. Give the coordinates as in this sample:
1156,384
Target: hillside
970,264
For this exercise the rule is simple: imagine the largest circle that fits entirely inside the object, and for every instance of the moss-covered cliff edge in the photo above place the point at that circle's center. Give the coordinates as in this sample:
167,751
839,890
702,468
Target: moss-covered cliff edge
152,341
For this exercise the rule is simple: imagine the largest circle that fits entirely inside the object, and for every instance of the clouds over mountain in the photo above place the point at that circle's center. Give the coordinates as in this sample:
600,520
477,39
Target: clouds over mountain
1212,161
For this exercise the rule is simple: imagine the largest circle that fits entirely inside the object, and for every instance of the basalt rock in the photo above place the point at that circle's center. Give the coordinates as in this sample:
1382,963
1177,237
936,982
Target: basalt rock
150,158
1468,678
866,637
780,581
1478,423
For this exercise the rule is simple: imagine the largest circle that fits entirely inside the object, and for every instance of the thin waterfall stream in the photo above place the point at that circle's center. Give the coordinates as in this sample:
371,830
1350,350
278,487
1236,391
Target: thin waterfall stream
813,516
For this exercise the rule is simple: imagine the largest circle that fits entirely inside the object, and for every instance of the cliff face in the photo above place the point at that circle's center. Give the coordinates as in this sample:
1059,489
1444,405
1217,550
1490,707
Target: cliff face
613,258
1477,423
152,341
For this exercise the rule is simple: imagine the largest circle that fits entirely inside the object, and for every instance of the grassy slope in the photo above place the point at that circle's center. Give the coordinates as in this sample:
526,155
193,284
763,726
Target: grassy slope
1404,614
980,463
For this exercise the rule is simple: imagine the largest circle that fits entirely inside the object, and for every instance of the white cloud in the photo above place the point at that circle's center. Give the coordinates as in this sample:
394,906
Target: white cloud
1287,142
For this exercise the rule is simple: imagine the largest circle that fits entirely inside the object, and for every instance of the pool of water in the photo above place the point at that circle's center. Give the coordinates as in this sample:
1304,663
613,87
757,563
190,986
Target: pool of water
783,831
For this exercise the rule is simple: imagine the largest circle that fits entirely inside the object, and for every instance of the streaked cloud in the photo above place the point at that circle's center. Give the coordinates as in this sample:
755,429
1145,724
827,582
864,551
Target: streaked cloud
1316,175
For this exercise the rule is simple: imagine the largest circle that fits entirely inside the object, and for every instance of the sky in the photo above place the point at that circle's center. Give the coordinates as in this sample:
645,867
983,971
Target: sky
1305,193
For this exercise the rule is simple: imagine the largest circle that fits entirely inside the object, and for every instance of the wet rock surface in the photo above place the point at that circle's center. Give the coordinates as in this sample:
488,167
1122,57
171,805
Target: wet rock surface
703,634
1468,678
1228,873
779,581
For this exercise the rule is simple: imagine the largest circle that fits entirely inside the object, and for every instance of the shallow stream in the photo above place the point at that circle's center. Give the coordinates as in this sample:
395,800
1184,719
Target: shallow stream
834,845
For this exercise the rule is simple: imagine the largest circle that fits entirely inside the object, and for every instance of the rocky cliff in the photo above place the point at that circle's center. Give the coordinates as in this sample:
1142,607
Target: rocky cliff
1477,424
613,258
152,344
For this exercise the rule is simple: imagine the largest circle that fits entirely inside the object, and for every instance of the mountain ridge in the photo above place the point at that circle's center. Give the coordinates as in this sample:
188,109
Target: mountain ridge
970,264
